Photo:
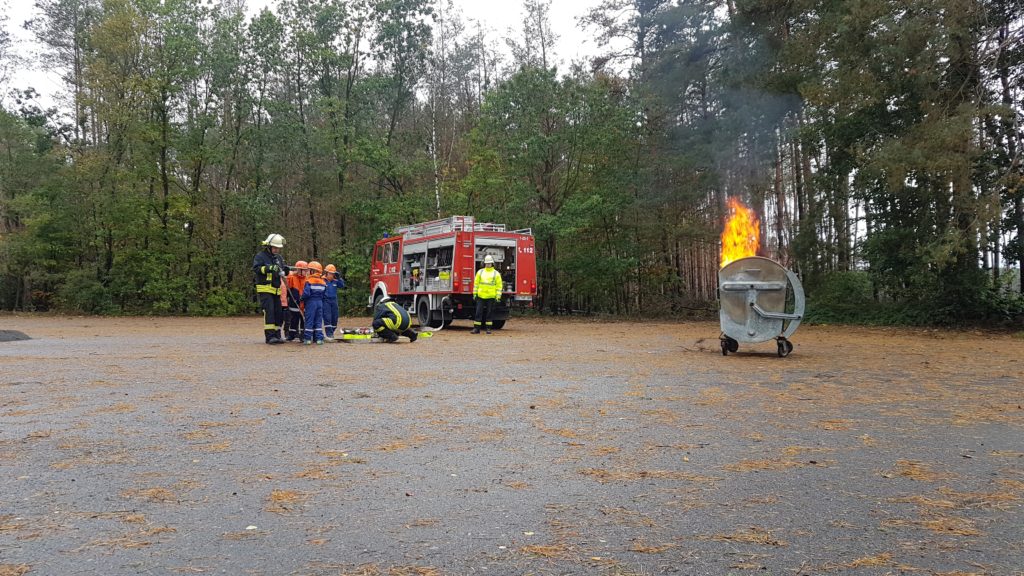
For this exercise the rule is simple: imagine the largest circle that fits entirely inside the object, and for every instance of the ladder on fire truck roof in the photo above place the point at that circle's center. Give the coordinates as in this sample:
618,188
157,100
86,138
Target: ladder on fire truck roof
455,224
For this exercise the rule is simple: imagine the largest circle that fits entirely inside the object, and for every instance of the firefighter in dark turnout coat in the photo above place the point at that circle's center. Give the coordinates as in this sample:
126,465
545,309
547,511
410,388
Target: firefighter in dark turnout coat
268,268
391,321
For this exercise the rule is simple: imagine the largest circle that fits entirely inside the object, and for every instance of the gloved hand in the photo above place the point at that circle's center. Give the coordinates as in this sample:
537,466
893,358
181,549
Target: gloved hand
286,269
272,268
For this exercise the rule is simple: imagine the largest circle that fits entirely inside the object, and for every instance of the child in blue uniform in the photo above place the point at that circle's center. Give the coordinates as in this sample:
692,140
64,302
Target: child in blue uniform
313,299
334,283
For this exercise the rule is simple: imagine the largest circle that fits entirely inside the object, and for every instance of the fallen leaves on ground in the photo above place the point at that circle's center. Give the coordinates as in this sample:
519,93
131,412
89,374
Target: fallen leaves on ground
643,548
151,494
883,559
916,470
285,501
546,550
603,476
752,535
938,524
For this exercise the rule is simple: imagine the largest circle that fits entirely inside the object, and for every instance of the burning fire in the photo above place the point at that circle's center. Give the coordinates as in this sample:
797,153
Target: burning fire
741,236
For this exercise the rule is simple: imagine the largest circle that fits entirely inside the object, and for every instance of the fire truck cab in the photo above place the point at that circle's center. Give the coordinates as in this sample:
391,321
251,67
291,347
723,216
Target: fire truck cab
429,268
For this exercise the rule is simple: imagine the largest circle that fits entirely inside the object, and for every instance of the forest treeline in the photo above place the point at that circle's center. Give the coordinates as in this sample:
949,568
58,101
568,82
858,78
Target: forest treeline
879,141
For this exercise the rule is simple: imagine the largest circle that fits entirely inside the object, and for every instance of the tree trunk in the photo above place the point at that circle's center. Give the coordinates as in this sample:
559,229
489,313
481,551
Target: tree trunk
780,203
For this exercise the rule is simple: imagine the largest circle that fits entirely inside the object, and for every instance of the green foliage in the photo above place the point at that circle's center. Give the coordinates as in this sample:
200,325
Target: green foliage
849,298
82,292
355,270
879,142
843,298
222,302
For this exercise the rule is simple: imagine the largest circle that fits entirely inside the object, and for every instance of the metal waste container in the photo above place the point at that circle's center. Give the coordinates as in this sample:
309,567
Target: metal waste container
760,301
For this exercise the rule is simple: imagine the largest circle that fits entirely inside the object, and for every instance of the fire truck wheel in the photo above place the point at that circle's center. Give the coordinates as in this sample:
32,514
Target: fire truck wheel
498,324
423,313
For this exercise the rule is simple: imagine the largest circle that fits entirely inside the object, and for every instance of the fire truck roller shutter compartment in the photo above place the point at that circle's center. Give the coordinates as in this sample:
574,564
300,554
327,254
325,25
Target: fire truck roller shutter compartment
503,251
413,266
439,265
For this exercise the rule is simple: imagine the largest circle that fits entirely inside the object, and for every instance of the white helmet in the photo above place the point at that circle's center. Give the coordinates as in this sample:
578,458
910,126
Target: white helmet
275,240
488,259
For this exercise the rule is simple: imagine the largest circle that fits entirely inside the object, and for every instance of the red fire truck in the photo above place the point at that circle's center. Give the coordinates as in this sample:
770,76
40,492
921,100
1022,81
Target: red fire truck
429,268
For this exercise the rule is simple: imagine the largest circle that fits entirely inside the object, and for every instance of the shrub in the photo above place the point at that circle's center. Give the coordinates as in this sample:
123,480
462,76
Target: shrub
223,302
82,292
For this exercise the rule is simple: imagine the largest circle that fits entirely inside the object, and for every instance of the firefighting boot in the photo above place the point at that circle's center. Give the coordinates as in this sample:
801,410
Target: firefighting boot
412,336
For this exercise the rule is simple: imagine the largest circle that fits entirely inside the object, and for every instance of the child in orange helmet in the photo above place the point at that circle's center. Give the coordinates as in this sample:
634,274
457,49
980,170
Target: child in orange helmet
296,280
313,298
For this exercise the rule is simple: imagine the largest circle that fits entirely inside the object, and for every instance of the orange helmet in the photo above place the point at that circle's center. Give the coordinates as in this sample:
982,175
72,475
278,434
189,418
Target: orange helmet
316,267
330,268
301,264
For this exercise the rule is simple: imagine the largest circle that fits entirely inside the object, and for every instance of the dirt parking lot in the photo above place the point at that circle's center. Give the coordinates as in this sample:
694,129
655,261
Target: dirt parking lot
187,446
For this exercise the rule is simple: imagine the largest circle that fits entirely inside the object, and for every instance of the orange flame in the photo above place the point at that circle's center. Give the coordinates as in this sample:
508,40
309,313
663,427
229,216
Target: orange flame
741,236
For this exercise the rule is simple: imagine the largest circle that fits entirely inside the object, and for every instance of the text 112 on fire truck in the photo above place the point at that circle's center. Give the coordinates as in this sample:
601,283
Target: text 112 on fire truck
429,268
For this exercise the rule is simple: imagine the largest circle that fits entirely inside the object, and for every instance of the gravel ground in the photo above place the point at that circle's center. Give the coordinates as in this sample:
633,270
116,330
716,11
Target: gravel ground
187,446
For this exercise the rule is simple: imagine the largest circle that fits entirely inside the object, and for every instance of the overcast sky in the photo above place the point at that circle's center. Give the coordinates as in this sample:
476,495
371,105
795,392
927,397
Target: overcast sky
497,16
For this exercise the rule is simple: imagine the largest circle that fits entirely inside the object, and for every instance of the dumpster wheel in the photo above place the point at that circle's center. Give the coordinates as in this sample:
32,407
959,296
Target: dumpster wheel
729,345
785,347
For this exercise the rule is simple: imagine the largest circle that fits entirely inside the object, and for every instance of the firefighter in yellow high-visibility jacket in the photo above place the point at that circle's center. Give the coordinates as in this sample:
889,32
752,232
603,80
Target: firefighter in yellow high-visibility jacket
486,292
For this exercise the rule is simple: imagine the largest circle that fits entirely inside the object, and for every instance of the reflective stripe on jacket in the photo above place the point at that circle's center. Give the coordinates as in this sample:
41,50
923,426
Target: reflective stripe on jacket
314,289
487,284
267,282
395,317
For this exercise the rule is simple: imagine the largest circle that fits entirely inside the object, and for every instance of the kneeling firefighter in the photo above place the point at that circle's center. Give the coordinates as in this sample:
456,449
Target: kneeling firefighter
391,320
268,269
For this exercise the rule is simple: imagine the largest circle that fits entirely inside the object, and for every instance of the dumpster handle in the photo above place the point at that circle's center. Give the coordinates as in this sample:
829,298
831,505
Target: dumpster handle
774,315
